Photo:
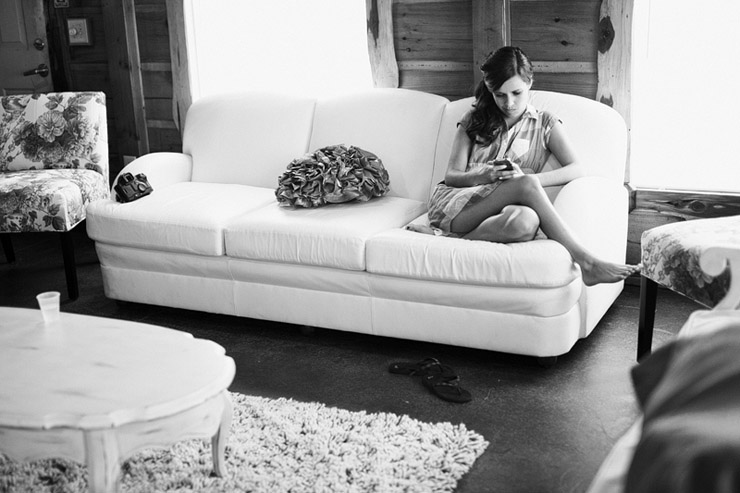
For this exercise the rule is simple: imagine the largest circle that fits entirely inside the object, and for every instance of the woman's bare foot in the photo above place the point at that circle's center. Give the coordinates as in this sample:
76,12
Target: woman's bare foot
599,271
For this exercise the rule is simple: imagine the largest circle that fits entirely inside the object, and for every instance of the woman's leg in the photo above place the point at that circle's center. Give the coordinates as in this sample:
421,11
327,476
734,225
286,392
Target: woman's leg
526,190
514,223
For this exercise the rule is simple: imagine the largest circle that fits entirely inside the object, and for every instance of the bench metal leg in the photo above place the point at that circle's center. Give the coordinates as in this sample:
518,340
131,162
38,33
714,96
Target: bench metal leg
7,248
70,268
648,296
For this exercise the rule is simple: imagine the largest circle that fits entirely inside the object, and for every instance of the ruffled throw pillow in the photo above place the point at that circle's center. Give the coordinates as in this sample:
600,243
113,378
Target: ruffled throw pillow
332,175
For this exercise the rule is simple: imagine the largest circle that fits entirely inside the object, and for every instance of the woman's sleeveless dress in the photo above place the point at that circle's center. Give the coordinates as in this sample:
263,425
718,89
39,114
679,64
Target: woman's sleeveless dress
526,143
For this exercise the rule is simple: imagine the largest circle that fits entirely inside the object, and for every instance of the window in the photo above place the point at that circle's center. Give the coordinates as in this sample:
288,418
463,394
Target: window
686,102
307,47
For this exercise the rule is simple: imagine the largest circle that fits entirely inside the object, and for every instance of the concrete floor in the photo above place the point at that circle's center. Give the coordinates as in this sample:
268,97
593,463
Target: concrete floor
549,429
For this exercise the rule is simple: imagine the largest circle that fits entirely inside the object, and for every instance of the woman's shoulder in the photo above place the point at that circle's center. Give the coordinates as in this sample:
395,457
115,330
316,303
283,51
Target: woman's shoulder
466,119
547,118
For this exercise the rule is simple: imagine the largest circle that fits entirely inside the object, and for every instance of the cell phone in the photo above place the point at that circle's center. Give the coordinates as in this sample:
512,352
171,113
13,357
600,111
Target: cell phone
506,162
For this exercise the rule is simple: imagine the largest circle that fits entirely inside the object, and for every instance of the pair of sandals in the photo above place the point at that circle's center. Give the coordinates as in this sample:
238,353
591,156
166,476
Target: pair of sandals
440,379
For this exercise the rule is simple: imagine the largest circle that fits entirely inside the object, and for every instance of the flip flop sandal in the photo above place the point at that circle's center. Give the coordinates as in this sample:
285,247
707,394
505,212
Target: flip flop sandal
428,366
447,388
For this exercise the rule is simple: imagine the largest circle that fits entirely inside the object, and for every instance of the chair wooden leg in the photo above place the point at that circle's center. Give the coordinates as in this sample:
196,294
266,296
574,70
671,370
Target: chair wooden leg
70,268
648,296
7,248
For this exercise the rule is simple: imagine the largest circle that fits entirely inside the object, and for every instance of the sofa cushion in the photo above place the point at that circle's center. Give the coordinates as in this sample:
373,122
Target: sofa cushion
330,236
248,138
531,264
400,126
184,217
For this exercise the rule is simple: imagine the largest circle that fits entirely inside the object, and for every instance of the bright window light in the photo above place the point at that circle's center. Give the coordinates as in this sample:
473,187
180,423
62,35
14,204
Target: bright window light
304,47
685,99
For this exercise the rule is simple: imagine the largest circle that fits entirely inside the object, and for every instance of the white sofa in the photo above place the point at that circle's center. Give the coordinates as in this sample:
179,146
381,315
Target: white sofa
212,236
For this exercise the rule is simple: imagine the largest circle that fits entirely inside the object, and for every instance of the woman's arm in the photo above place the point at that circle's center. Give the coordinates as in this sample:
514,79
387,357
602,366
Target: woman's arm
562,149
456,175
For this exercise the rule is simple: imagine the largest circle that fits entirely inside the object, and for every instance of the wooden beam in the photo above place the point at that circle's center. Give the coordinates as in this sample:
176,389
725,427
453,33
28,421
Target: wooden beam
614,56
614,59
380,43
181,90
491,30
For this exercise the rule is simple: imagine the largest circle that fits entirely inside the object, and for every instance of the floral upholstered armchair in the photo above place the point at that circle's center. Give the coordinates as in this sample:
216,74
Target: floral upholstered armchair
53,163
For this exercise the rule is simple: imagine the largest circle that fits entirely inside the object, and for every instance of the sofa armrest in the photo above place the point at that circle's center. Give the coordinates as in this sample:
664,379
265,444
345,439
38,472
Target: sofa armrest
596,209
162,169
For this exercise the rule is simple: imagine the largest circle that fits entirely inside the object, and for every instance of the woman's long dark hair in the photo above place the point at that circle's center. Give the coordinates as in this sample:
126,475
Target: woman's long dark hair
499,66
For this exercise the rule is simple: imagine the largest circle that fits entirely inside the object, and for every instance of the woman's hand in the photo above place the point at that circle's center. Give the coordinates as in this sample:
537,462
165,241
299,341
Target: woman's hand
504,169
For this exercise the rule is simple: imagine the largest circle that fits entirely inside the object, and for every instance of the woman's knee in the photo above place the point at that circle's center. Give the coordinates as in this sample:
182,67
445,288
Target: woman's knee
529,186
521,222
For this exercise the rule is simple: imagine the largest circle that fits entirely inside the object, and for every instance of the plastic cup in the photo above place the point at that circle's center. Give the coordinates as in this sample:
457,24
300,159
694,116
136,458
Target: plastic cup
49,304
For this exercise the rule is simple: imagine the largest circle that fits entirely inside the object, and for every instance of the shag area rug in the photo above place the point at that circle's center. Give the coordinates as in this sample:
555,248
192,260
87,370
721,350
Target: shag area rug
281,445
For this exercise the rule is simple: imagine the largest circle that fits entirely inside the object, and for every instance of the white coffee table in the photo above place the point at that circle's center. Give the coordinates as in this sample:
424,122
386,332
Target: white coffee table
96,390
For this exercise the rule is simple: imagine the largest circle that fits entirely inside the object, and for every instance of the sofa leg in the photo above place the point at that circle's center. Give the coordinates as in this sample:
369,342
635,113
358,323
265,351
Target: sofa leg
648,296
70,268
7,248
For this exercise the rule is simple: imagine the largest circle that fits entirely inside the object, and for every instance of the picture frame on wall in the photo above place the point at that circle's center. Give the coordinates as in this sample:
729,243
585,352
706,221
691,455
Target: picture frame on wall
79,32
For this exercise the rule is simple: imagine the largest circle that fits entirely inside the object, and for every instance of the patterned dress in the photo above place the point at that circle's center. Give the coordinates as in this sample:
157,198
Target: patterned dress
526,143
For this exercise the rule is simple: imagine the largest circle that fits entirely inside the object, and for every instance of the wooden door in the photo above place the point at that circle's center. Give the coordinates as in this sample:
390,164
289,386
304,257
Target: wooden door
24,52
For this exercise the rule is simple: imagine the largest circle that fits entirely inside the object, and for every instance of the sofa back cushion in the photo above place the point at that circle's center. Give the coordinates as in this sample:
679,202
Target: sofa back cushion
54,130
400,126
597,132
246,138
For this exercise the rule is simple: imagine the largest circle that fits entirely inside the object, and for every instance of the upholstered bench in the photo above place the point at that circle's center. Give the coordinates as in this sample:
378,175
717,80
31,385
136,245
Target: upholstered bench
671,258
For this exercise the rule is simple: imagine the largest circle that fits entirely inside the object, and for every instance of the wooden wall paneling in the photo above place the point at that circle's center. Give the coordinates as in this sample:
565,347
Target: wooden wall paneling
560,39
152,31
491,24
125,75
580,84
164,139
58,48
433,32
451,85
556,31
90,77
179,61
433,41
157,84
380,43
152,21
658,207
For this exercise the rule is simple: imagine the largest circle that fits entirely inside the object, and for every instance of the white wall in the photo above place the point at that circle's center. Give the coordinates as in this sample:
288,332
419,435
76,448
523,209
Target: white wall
311,47
686,103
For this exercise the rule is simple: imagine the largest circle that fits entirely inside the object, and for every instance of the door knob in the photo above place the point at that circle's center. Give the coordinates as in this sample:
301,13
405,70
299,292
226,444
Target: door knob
41,70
